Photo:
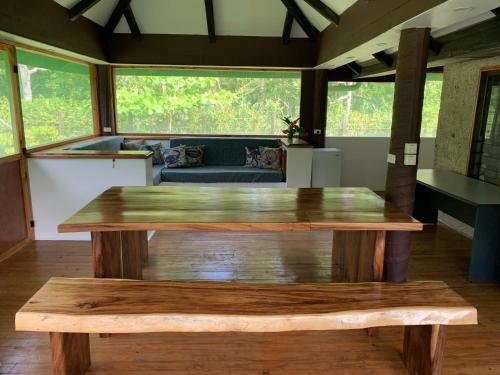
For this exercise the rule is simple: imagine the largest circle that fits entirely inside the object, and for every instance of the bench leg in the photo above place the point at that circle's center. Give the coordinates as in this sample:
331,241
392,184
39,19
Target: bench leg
70,353
423,349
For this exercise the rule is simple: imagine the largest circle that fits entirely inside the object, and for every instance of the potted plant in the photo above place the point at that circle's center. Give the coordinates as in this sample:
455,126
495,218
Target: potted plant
294,130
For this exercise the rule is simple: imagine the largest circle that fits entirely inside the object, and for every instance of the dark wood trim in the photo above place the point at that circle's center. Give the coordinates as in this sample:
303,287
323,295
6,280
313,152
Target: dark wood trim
10,158
324,10
301,19
81,7
287,27
48,22
132,22
173,136
196,50
117,14
15,249
384,58
209,12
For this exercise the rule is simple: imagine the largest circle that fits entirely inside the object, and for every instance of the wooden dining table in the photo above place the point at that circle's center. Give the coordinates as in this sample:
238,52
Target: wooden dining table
120,218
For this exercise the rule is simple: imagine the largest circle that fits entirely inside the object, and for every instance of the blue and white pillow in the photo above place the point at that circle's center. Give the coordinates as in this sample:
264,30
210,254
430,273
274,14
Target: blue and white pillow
175,157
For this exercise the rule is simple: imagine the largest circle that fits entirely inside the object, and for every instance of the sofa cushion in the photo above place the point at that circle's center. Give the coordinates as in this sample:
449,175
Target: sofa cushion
225,151
252,158
270,158
175,157
194,155
157,174
212,174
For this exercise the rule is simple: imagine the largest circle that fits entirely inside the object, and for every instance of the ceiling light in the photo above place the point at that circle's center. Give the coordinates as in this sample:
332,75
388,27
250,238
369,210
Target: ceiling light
381,44
350,57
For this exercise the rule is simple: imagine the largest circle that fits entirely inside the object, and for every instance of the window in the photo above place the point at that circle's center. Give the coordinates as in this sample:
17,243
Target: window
8,141
56,98
485,153
205,102
364,109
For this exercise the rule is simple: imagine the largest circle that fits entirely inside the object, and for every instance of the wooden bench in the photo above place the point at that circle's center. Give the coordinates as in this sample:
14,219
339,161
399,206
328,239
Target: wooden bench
70,309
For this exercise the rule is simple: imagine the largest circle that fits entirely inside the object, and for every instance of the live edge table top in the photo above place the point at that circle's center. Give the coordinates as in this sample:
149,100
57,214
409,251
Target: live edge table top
169,208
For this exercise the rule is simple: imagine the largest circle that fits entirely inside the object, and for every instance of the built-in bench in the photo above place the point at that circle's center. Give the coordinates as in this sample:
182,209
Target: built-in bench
471,201
70,309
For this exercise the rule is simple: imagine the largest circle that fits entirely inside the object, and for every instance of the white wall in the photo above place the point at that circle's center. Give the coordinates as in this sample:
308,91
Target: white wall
61,187
364,159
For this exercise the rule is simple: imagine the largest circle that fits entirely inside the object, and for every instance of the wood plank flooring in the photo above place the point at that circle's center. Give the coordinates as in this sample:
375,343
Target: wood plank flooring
438,254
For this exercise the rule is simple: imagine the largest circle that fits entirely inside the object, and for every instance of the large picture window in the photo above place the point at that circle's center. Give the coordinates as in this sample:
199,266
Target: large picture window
364,109
8,141
56,98
205,102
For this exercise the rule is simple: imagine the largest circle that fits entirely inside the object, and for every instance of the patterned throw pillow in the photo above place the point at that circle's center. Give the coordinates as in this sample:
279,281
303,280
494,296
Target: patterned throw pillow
175,157
253,158
270,158
194,155
157,150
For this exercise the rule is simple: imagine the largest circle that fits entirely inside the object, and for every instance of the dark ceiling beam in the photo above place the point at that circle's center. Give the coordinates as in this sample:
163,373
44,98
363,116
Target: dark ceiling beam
324,10
354,67
474,42
304,23
434,46
196,50
209,11
287,27
366,20
496,12
117,14
132,23
48,22
81,7
384,58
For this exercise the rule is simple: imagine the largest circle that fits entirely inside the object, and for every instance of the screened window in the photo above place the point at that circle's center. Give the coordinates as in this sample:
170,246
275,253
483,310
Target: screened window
56,98
205,102
8,142
364,109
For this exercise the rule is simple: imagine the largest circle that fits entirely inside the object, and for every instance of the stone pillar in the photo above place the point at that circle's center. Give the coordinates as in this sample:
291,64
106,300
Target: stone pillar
406,122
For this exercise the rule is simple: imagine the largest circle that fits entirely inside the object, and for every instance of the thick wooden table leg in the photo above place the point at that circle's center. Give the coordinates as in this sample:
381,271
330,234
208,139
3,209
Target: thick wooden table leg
70,353
106,250
134,245
358,256
423,349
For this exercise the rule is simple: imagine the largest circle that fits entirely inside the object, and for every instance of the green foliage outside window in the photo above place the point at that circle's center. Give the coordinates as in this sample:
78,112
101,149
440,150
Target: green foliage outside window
205,102
7,127
364,109
55,97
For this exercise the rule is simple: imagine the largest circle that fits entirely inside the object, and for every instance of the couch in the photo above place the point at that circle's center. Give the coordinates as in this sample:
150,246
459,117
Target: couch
223,161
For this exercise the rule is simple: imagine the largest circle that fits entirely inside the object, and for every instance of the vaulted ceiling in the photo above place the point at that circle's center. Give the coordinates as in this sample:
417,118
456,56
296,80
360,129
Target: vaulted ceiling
232,17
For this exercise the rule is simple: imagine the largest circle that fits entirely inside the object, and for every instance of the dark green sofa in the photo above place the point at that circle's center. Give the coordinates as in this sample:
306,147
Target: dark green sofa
223,161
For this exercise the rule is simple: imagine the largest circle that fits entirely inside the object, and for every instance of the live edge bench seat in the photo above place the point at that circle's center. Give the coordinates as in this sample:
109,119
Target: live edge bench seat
70,309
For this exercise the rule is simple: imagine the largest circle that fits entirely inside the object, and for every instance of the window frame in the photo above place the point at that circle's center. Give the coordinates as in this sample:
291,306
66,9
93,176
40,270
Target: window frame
96,126
167,136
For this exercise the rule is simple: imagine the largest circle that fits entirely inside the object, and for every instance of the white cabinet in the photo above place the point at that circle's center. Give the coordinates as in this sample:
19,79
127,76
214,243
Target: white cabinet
326,167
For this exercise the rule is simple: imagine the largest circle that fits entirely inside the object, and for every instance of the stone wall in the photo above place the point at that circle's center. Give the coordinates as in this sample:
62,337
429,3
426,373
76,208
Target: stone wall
456,117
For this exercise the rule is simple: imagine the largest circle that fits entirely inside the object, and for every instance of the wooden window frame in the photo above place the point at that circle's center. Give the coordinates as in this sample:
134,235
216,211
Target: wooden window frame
96,126
167,136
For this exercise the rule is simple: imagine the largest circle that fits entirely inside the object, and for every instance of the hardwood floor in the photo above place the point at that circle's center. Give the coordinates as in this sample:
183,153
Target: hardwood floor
438,254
